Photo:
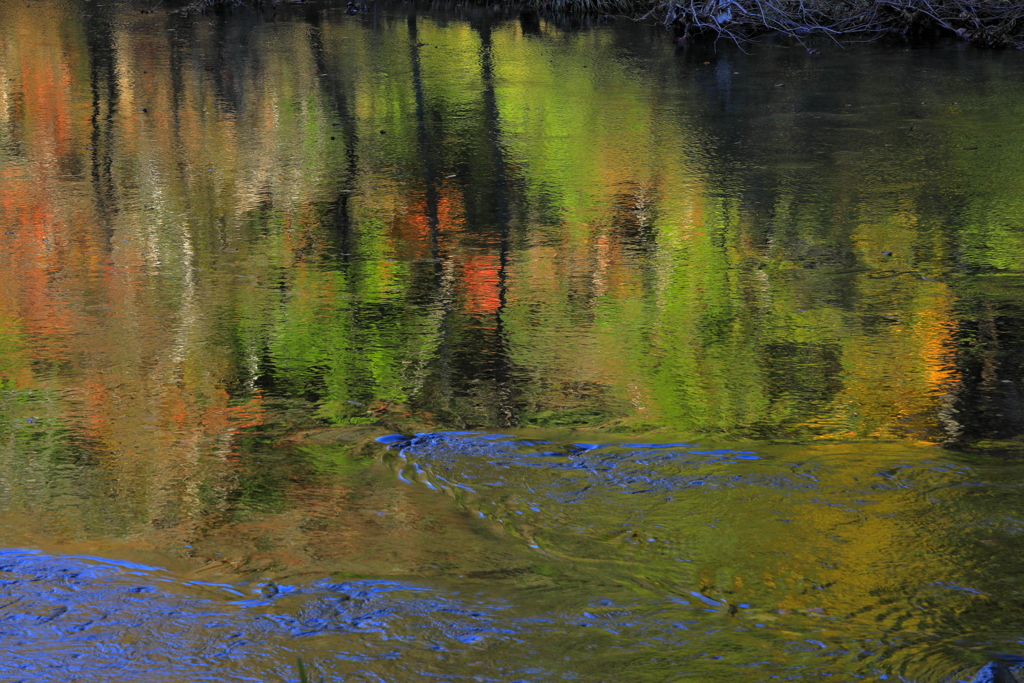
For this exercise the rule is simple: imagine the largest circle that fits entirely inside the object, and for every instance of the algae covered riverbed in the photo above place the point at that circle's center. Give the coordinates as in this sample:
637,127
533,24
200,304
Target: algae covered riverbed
477,346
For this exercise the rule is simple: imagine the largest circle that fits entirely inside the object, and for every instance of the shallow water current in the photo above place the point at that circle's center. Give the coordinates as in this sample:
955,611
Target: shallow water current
631,562
468,344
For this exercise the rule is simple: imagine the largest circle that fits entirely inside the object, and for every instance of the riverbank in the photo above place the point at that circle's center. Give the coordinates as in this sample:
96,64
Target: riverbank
994,25
985,24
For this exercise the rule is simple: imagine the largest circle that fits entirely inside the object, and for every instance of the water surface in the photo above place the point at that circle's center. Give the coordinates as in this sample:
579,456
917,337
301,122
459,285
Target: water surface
704,362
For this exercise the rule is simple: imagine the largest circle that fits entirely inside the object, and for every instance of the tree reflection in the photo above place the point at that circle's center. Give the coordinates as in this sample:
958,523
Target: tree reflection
420,223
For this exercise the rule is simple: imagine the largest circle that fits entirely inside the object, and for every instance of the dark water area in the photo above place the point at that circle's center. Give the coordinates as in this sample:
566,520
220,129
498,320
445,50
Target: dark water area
470,345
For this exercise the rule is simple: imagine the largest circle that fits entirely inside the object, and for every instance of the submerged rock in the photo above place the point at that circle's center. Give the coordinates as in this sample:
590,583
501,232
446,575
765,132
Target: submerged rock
994,672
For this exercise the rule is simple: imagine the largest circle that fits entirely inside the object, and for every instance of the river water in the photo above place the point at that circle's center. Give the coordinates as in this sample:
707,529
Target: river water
469,345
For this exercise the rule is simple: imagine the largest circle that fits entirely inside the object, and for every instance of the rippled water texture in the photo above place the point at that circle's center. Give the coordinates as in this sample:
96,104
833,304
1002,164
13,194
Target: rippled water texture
690,363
